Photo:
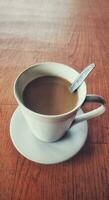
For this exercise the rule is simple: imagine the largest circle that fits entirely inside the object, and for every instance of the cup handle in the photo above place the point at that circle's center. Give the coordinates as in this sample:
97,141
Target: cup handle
94,113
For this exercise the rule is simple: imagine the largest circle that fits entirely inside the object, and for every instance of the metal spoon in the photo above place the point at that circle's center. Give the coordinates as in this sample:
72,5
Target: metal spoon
79,80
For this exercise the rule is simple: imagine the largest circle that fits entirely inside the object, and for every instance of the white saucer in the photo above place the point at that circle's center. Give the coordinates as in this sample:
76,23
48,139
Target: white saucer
42,152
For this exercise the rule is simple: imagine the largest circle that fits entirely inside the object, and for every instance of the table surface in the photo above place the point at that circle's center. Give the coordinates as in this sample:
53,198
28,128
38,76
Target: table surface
75,33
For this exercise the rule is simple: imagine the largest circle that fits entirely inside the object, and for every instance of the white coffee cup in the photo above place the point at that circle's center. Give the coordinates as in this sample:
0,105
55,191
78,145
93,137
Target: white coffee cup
50,128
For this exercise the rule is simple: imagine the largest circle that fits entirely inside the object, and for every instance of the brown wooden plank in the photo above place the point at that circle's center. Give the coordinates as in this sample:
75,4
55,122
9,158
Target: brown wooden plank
86,176
7,162
75,33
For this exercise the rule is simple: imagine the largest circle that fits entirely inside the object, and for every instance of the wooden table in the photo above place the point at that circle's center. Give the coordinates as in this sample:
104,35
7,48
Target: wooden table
75,33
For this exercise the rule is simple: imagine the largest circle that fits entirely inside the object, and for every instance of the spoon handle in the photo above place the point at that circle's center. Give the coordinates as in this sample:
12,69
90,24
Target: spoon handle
81,77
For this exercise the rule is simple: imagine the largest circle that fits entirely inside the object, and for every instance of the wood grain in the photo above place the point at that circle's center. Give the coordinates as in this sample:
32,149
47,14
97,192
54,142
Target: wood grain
75,33
83,177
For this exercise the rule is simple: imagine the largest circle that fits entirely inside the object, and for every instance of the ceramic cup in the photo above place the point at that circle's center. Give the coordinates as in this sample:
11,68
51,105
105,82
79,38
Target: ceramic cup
51,128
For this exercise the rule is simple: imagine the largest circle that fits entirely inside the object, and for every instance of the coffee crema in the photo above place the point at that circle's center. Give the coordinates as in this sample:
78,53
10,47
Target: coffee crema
49,95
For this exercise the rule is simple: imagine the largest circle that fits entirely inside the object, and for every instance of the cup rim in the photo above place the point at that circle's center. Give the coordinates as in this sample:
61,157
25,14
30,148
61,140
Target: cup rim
43,115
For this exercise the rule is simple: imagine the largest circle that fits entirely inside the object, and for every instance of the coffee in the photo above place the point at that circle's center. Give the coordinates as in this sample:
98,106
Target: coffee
49,95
